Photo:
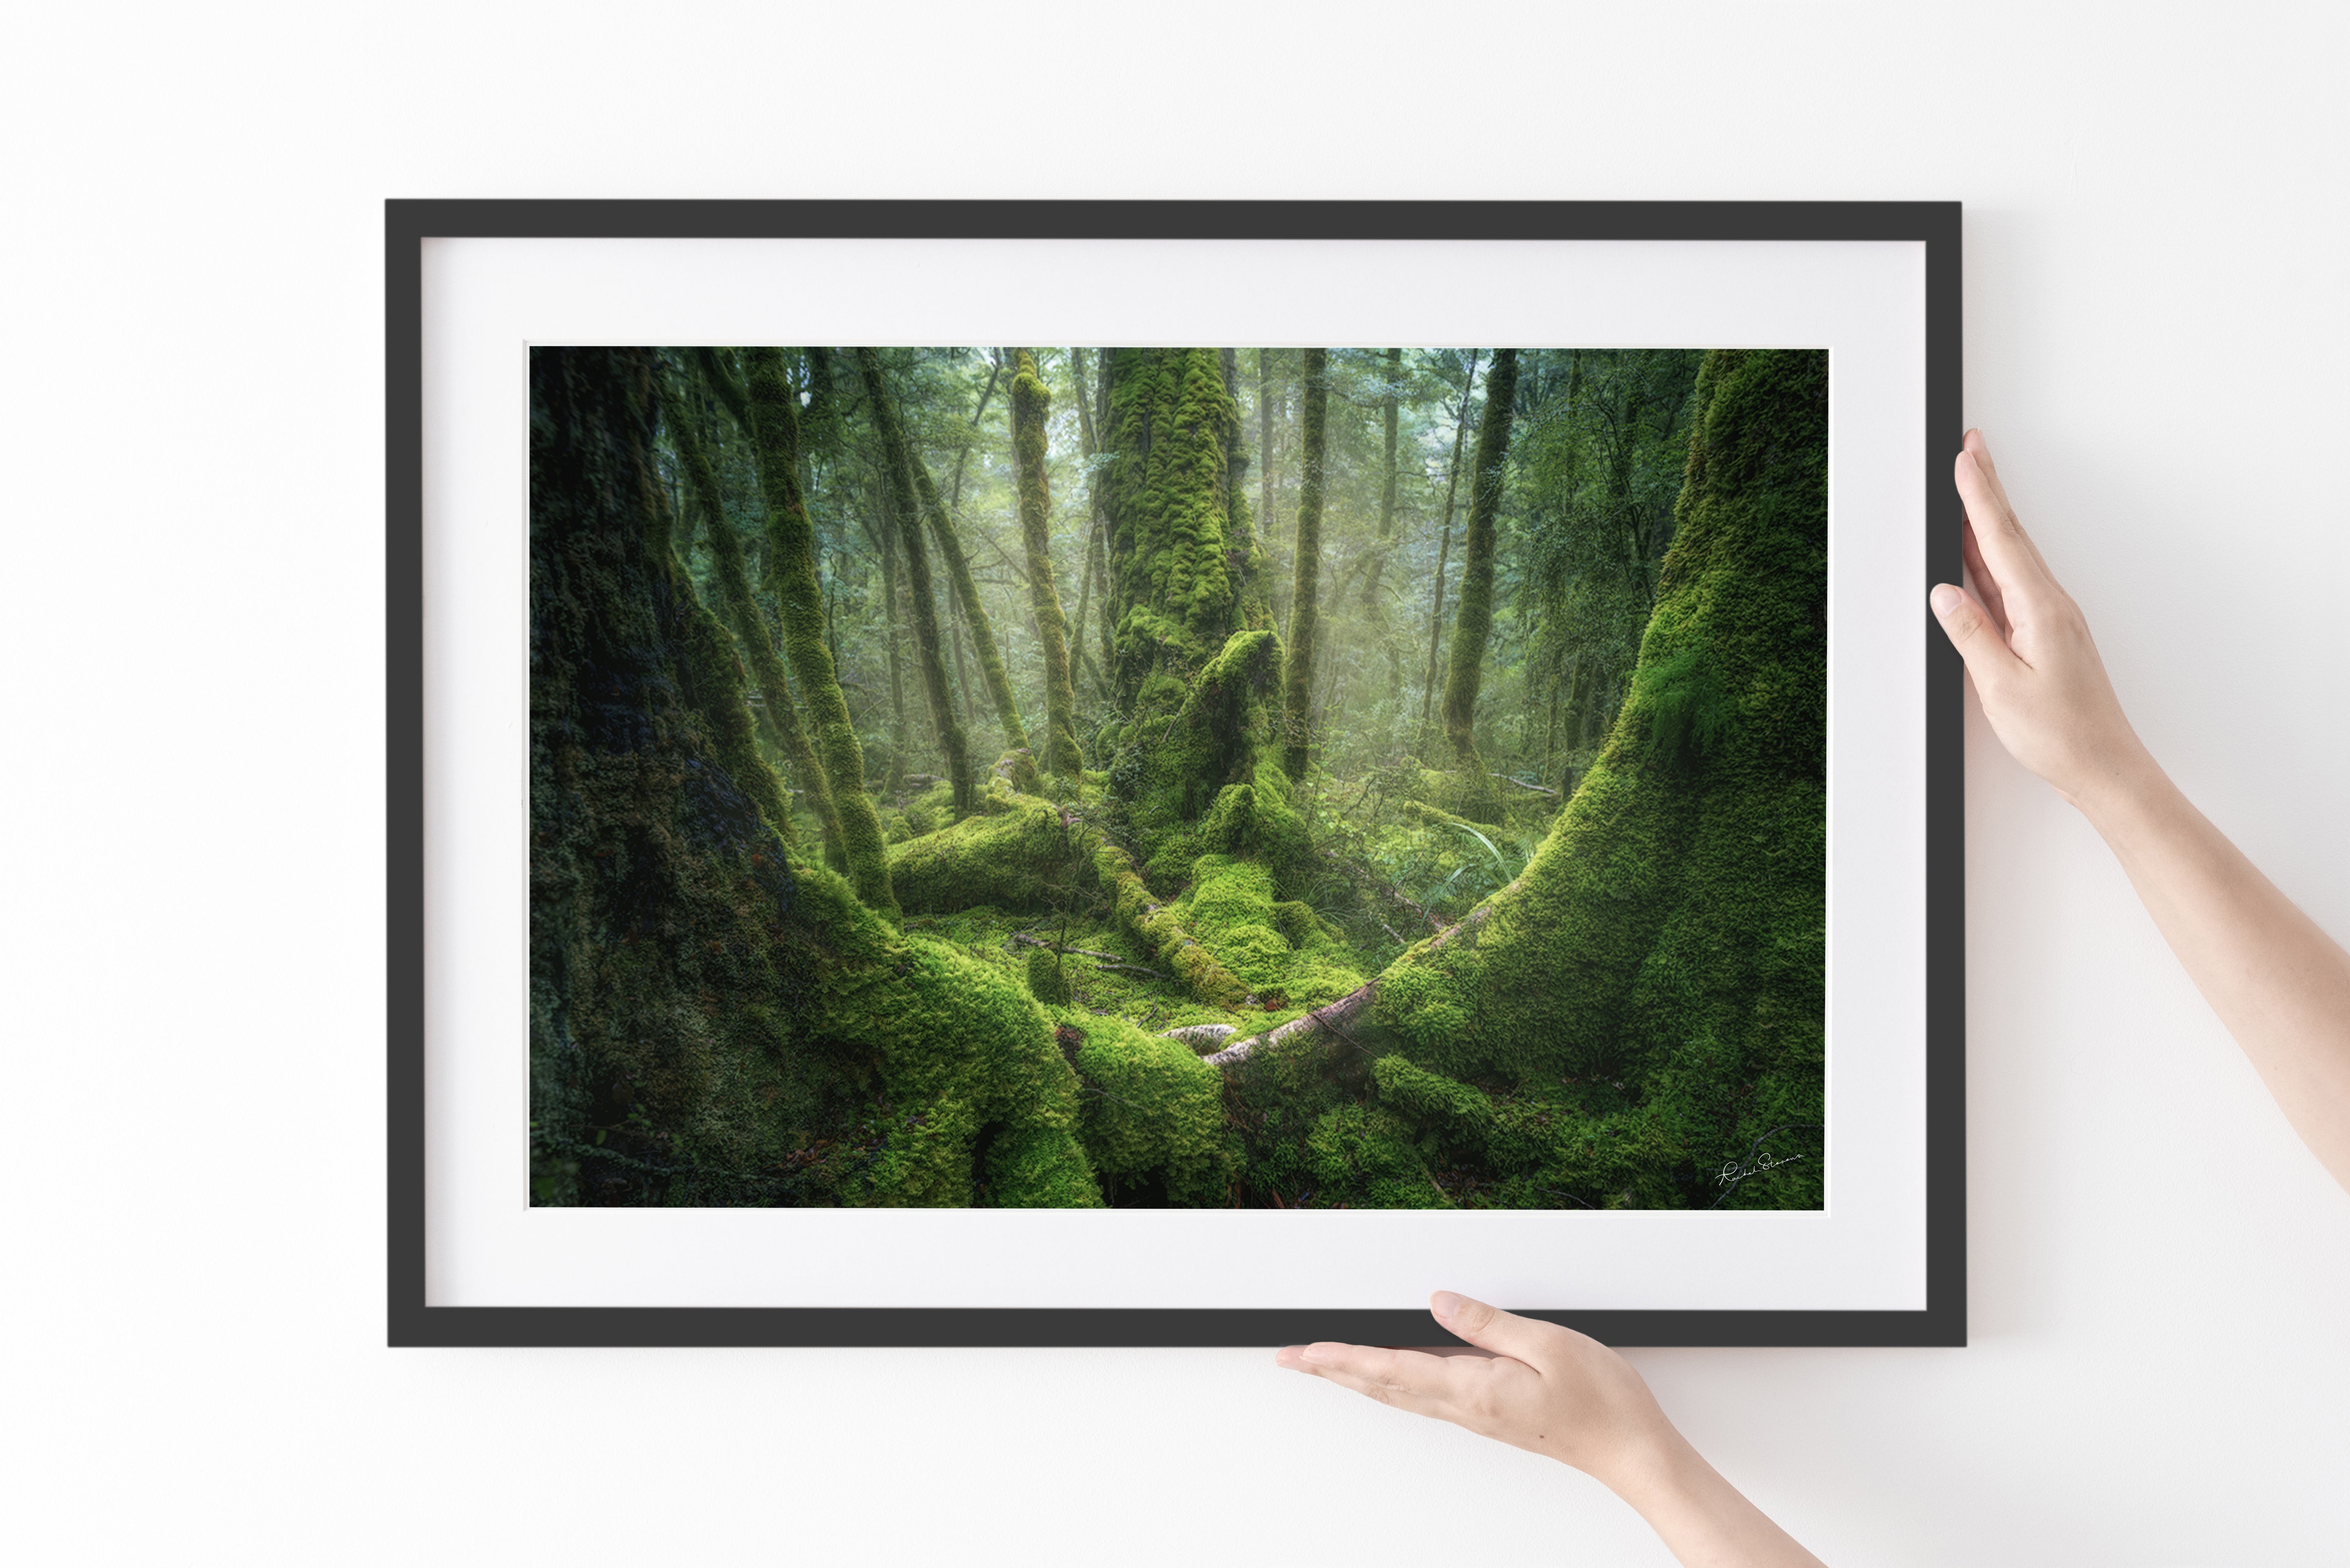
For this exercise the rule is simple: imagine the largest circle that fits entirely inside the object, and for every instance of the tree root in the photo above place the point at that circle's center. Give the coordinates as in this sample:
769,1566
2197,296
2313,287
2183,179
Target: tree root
1338,1014
1198,1034
1155,924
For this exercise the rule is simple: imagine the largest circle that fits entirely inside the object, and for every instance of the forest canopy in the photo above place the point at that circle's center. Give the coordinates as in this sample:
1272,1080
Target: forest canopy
1262,777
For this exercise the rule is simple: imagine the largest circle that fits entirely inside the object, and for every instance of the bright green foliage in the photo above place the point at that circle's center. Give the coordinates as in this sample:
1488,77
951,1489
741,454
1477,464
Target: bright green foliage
1030,406
1167,500
1297,678
790,573
1671,932
1155,1111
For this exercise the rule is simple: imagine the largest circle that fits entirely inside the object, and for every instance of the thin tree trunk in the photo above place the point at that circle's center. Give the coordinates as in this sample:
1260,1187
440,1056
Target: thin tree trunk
1264,435
974,613
886,538
1298,680
929,652
791,566
957,621
954,489
1474,625
1444,548
1087,447
1388,411
778,710
1031,404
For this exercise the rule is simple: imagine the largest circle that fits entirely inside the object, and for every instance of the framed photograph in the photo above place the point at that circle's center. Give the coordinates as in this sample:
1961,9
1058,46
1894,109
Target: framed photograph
1169,772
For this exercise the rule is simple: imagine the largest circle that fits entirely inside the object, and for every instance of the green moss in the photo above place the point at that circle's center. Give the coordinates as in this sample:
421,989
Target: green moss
1161,928
1046,983
966,1058
1363,1157
1019,858
1169,772
1232,912
1167,500
1155,1111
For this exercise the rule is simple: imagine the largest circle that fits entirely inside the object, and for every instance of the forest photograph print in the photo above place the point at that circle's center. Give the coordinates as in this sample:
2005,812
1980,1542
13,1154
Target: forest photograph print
1269,778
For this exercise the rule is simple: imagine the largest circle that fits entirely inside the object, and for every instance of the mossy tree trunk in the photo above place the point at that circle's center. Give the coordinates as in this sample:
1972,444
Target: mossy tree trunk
1088,447
654,884
777,708
1297,679
1030,406
799,598
1475,626
1169,505
905,507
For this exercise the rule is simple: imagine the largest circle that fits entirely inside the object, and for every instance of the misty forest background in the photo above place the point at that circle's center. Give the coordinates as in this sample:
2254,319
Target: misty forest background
1292,778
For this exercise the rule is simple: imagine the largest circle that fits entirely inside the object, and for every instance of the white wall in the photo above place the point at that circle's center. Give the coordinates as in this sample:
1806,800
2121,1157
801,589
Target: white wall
192,1228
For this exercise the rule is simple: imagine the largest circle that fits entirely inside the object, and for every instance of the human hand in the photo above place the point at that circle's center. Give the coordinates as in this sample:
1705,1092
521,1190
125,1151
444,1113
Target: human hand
1566,1396
1541,1388
2027,645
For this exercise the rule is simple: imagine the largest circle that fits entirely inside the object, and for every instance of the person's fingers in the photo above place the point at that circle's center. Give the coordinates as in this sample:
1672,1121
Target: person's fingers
1491,1328
1987,593
1405,1378
1989,658
1998,535
2014,557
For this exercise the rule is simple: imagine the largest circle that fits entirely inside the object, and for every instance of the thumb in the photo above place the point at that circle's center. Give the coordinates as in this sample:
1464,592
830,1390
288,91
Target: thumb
1970,631
1489,1327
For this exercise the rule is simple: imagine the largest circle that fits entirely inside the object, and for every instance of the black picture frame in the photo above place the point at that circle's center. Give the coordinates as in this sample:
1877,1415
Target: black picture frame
408,224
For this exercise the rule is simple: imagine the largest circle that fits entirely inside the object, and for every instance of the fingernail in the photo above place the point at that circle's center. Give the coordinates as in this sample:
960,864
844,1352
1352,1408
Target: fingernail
1307,1352
1945,597
1444,1304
